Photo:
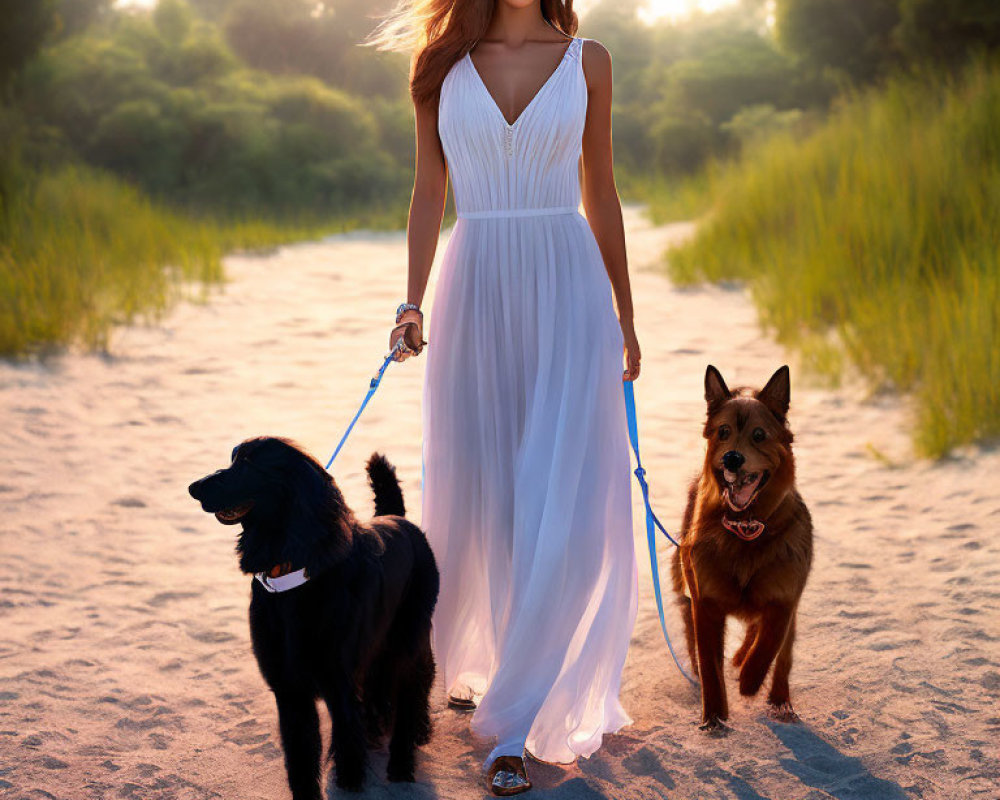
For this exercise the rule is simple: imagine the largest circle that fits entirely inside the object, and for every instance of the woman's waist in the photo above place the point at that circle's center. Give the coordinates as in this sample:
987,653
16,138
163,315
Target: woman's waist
515,212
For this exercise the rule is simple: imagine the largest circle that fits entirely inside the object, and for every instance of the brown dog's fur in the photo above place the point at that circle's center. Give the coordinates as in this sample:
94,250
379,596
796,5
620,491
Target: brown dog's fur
716,573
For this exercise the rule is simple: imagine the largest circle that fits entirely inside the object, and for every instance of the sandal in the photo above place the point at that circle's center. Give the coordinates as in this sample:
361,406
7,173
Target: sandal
461,703
507,775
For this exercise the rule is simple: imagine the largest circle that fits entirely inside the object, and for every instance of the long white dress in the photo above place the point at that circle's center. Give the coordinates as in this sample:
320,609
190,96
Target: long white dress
526,486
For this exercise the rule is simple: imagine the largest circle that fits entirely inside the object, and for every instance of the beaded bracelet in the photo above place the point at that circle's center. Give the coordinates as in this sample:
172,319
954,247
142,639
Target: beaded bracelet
403,307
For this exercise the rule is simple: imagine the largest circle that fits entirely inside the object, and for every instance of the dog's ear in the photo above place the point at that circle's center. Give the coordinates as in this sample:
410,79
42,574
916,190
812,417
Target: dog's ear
776,395
319,529
716,391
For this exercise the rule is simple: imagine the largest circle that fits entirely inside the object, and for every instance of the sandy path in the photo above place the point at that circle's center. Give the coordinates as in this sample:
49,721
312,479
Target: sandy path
125,668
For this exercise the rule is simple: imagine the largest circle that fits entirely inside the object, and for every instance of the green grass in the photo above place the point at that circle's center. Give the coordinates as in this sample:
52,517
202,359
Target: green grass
668,198
876,240
82,251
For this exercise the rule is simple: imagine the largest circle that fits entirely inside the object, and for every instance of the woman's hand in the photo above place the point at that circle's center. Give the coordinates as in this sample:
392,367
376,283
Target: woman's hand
632,354
410,329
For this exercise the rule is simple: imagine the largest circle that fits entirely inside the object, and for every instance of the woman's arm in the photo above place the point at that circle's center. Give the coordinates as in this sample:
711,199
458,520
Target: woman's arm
600,195
430,192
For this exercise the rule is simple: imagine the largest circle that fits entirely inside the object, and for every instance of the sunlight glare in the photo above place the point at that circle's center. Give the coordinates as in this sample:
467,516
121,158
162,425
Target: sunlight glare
656,10
652,11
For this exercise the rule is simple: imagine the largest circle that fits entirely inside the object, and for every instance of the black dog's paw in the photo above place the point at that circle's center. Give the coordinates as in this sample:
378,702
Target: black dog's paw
401,765
350,780
400,773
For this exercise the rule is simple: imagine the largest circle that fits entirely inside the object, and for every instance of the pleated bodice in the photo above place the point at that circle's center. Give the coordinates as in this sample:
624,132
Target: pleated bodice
496,166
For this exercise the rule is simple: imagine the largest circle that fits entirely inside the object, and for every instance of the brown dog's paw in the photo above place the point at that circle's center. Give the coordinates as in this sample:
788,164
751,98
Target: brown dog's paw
782,712
714,726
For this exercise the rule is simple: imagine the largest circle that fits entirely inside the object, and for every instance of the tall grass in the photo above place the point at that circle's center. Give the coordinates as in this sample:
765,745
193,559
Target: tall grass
878,238
668,198
81,251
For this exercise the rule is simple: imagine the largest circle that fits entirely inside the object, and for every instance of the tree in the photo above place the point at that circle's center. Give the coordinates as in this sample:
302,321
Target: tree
77,15
24,25
945,31
320,39
851,37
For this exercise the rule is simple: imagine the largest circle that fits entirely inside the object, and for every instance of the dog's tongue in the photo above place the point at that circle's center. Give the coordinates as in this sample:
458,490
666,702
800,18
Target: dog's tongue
743,493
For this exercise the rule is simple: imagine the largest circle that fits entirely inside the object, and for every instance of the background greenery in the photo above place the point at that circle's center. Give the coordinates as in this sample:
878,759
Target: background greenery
843,153
870,237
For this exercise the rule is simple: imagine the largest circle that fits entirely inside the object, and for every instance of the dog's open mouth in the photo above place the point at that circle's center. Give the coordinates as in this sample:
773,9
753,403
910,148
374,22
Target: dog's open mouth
230,516
742,487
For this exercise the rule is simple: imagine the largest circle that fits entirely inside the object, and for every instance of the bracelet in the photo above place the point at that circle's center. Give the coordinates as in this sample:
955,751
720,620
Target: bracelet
408,307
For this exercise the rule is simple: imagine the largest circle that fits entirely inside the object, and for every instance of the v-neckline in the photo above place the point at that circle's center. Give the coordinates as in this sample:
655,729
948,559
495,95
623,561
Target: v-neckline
531,102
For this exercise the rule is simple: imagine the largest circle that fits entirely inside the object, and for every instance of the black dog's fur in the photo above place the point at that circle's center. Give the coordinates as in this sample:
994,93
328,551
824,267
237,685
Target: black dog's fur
357,634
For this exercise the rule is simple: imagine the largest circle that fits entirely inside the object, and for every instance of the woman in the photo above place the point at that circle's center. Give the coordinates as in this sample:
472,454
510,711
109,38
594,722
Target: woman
526,489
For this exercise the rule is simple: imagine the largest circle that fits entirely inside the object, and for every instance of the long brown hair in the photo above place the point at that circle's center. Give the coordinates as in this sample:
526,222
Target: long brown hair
439,32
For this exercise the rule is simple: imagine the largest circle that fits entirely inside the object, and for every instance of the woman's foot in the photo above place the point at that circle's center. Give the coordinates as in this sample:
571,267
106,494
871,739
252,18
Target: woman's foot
461,700
507,775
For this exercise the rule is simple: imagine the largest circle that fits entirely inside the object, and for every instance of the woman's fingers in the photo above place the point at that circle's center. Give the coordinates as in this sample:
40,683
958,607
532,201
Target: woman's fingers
413,335
632,359
413,340
398,354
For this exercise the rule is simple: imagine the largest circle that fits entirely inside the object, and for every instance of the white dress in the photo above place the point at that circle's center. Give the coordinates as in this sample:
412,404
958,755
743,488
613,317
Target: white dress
526,486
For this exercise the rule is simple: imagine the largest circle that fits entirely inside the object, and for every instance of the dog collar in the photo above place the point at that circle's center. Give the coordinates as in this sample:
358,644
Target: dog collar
282,583
745,529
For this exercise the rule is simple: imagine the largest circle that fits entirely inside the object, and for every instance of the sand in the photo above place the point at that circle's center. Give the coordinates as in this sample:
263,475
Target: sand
125,667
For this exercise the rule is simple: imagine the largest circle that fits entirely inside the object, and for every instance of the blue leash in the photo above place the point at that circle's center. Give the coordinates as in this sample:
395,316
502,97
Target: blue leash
652,522
373,385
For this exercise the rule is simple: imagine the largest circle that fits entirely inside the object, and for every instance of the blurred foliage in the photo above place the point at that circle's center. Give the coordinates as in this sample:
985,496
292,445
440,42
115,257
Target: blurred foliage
869,235
24,26
681,90
81,250
273,107
161,100
945,31
75,16
319,39
268,117
878,236
861,41
852,37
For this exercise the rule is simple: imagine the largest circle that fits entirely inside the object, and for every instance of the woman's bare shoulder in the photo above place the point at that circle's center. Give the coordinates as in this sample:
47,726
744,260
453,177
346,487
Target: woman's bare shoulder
596,63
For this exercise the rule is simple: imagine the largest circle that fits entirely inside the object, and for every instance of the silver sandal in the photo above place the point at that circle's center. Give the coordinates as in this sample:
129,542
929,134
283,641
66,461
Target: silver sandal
507,776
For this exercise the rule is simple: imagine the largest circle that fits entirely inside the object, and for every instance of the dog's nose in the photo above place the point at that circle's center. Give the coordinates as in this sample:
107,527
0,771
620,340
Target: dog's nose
733,460
196,487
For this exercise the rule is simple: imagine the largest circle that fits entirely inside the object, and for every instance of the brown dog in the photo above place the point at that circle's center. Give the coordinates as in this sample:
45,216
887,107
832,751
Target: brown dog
746,545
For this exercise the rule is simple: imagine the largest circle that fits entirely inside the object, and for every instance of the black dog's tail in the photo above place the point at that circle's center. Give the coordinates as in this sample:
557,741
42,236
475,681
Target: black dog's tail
382,478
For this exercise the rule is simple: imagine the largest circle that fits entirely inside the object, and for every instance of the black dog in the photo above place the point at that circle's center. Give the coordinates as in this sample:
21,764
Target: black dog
340,610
